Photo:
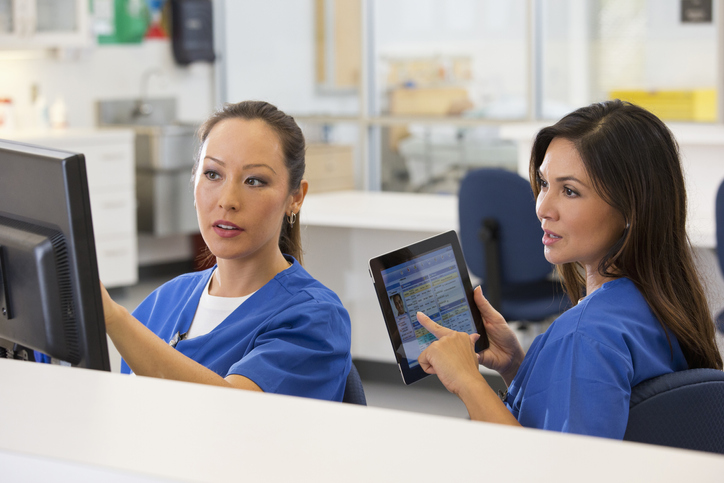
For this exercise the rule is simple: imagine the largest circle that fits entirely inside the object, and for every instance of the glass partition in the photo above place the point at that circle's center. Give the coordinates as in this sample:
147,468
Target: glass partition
421,88
333,155
651,52
452,58
433,158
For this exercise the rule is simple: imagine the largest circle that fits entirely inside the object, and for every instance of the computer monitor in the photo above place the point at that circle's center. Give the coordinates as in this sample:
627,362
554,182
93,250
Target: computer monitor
50,298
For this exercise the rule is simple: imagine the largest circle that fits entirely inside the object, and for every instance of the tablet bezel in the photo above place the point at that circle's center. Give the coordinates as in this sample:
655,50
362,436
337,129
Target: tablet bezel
405,254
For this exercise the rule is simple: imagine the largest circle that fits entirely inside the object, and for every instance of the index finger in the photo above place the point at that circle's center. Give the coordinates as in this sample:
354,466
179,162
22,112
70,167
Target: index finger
433,327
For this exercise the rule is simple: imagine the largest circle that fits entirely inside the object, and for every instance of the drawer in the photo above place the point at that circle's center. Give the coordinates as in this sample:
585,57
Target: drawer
117,261
109,155
114,212
110,165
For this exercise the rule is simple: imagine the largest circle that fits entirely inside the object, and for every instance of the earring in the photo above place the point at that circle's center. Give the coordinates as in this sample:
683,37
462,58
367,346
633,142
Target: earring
292,219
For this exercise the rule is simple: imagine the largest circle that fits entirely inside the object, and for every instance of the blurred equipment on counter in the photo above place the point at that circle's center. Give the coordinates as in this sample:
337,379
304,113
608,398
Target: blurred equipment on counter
165,153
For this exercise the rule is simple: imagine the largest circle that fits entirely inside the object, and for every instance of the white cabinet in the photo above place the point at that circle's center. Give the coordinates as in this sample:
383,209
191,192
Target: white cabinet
44,23
109,155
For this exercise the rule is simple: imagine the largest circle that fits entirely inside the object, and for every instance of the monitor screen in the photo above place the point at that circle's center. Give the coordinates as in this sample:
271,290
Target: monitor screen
50,298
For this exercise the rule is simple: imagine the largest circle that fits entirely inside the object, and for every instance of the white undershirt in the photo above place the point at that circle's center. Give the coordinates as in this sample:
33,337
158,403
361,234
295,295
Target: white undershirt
212,311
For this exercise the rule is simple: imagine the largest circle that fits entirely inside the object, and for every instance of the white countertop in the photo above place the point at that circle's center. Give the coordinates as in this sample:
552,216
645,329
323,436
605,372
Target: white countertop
91,424
98,135
381,210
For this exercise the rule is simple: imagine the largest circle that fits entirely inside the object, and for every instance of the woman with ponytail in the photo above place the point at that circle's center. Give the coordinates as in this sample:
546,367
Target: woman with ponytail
256,320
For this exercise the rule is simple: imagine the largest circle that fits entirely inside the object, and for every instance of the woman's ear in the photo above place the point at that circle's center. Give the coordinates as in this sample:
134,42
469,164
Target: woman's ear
299,195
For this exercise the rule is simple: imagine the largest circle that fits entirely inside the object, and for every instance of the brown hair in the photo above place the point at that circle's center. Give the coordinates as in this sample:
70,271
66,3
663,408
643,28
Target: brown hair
633,162
293,148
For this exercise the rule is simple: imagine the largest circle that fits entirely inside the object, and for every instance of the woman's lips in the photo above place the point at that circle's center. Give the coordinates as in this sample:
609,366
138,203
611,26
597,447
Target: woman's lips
226,229
549,238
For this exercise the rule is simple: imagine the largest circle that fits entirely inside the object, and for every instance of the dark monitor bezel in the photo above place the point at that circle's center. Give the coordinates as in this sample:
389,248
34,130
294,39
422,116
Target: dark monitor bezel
31,192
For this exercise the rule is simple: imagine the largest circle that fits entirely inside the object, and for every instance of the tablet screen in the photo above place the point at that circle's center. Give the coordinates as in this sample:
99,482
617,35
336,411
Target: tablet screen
427,277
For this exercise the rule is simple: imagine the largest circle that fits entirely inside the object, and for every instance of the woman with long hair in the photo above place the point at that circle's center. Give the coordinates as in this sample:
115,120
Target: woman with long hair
611,199
256,320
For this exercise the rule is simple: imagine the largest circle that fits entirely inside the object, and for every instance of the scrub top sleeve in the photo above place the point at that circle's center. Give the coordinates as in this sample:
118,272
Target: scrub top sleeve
305,352
582,386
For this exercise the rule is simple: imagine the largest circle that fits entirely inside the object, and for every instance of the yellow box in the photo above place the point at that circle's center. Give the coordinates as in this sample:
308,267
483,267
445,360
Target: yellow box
426,100
695,105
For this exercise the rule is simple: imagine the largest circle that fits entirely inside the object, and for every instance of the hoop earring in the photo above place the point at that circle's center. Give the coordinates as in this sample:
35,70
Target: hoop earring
291,219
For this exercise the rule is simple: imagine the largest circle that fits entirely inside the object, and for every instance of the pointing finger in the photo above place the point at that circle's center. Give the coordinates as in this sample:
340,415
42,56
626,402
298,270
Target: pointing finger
433,327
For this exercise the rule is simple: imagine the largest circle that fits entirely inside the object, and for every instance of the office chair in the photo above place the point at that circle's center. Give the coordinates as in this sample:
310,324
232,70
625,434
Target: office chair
501,237
719,210
354,393
682,409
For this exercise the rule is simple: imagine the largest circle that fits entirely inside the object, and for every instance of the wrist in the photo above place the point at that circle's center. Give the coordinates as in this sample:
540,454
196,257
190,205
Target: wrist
512,370
470,385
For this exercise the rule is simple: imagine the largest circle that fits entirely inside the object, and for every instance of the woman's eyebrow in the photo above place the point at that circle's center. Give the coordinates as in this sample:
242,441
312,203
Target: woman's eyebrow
246,166
562,179
259,165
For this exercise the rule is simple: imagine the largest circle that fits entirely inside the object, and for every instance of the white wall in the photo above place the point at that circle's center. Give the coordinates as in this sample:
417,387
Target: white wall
84,76
270,56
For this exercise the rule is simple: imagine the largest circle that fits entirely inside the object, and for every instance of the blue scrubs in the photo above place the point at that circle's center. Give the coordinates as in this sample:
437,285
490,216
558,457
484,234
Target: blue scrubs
292,336
577,376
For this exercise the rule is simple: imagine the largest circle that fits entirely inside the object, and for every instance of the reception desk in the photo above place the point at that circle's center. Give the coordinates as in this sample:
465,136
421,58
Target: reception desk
66,424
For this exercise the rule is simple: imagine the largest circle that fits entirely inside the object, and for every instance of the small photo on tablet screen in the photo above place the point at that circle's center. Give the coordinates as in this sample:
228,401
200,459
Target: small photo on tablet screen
431,284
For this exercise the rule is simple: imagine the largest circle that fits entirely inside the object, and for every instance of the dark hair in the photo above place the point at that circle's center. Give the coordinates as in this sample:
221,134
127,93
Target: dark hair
633,162
293,148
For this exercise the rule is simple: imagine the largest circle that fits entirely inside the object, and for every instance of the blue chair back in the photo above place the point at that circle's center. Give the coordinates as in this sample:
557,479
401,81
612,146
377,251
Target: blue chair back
354,393
719,210
682,409
508,198
719,217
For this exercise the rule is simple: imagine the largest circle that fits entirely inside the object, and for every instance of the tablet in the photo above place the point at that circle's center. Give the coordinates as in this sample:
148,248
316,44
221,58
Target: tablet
429,276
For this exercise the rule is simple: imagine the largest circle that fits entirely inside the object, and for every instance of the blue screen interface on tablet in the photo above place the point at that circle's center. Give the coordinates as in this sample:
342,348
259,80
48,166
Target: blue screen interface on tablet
431,284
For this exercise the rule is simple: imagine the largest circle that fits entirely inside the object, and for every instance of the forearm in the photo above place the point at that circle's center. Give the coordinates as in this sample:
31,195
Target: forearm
483,404
148,355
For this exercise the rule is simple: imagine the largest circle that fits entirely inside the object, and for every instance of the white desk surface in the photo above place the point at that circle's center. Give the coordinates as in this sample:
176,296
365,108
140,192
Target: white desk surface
66,424
381,210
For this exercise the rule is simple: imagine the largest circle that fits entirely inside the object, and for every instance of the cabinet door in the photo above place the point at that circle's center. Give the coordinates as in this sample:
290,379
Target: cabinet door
44,23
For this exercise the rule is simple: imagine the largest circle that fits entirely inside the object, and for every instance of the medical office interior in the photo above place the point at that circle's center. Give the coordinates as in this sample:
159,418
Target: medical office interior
398,100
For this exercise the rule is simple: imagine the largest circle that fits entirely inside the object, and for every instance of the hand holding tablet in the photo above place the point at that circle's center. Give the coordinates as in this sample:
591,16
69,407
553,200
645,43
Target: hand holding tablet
431,277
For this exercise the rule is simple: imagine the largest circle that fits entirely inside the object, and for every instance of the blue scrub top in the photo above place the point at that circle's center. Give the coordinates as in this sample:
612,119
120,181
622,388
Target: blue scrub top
577,376
292,336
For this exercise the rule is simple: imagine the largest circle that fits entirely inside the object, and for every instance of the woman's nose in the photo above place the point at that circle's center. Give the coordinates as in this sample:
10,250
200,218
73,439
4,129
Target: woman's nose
543,206
229,199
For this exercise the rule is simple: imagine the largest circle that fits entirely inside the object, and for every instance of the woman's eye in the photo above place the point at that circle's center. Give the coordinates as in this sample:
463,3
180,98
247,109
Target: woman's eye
542,183
254,182
569,192
212,175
